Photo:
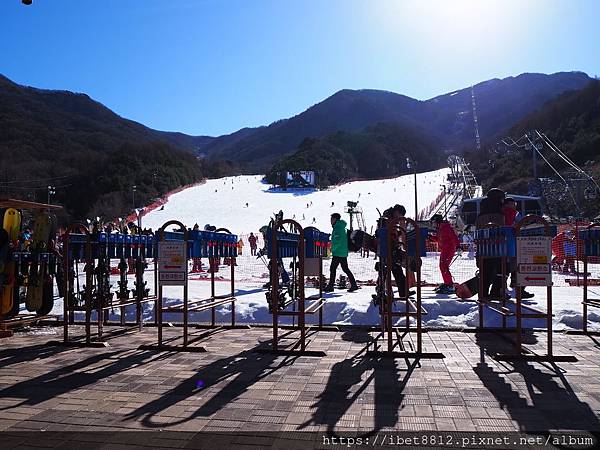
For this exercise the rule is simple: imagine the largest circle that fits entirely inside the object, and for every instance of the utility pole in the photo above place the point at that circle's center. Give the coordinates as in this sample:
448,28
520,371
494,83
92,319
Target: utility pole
51,192
410,162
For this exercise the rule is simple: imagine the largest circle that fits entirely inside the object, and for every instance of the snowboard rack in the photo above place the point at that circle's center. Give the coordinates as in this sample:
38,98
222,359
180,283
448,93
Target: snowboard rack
19,256
214,244
414,248
306,247
81,245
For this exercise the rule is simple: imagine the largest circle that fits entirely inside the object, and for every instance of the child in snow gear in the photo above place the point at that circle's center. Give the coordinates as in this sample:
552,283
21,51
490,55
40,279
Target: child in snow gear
448,242
339,250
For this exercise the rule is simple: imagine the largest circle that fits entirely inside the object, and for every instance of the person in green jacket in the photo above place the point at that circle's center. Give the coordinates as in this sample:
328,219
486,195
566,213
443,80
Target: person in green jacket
339,251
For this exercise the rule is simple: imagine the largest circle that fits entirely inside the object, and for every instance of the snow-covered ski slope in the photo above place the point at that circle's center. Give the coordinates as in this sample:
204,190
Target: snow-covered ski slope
222,202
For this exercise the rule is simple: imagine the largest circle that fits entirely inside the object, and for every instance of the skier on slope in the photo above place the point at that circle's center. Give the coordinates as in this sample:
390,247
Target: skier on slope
252,240
448,242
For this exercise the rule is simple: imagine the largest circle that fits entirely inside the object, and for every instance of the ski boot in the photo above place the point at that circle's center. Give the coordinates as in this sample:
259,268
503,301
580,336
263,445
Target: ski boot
445,289
525,294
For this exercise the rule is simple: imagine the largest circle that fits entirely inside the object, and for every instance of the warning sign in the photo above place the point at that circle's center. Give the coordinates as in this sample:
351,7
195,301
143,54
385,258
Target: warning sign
172,263
534,254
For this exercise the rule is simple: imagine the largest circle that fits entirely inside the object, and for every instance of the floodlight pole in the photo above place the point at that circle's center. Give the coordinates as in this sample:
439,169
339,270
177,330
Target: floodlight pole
410,162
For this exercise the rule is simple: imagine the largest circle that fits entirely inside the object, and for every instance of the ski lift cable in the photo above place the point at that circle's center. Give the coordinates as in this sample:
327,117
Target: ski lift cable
568,188
556,150
514,143
560,152
33,181
35,188
554,146
556,172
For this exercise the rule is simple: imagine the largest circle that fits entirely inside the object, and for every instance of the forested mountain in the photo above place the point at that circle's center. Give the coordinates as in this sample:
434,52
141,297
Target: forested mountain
500,104
91,155
572,122
378,151
94,157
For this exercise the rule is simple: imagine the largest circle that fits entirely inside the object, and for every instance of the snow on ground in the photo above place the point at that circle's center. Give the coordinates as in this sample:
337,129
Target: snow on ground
226,207
222,202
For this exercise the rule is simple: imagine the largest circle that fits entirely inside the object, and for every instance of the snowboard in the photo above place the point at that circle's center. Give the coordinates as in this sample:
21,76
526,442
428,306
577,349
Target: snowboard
37,272
9,291
50,273
467,289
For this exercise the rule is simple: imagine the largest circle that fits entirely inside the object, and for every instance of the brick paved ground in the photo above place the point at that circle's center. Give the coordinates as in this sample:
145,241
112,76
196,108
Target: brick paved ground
234,388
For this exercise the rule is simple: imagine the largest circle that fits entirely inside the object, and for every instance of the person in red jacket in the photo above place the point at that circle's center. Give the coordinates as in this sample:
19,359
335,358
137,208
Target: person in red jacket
448,242
509,210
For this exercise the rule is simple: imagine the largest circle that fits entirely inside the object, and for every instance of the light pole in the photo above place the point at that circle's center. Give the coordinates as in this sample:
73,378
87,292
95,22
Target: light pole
133,188
139,212
445,207
413,163
51,191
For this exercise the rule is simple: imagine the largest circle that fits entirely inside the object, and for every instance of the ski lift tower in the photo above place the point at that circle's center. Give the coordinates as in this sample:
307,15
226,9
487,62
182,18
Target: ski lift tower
353,210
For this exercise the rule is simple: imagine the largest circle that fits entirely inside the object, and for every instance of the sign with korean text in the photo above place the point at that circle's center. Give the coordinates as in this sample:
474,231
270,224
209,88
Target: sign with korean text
534,255
172,263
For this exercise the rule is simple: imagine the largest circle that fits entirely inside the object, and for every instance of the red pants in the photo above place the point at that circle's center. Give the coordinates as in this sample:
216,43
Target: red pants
445,261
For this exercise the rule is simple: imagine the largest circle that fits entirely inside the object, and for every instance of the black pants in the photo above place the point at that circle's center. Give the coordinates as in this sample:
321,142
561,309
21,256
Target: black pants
400,279
340,261
492,276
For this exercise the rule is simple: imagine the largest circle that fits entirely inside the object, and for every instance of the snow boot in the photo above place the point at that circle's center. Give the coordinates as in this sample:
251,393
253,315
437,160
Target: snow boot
525,294
446,289
353,288
328,289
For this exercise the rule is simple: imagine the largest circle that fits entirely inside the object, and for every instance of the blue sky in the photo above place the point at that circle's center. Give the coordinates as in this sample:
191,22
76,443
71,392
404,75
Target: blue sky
214,66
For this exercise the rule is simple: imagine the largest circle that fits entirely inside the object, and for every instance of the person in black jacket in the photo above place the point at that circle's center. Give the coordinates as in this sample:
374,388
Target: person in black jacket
490,210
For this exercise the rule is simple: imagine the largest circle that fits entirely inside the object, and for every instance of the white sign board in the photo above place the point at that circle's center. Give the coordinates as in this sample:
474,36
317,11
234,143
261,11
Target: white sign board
534,255
172,263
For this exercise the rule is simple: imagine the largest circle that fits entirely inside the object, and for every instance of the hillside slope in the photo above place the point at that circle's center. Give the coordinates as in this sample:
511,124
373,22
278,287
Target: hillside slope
378,151
88,152
572,122
500,104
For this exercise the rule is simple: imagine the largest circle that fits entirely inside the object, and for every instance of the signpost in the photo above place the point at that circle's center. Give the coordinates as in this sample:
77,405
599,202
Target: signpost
533,261
172,263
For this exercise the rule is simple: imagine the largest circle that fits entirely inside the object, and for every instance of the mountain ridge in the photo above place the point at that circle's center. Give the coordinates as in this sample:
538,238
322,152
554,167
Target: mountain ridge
500,104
